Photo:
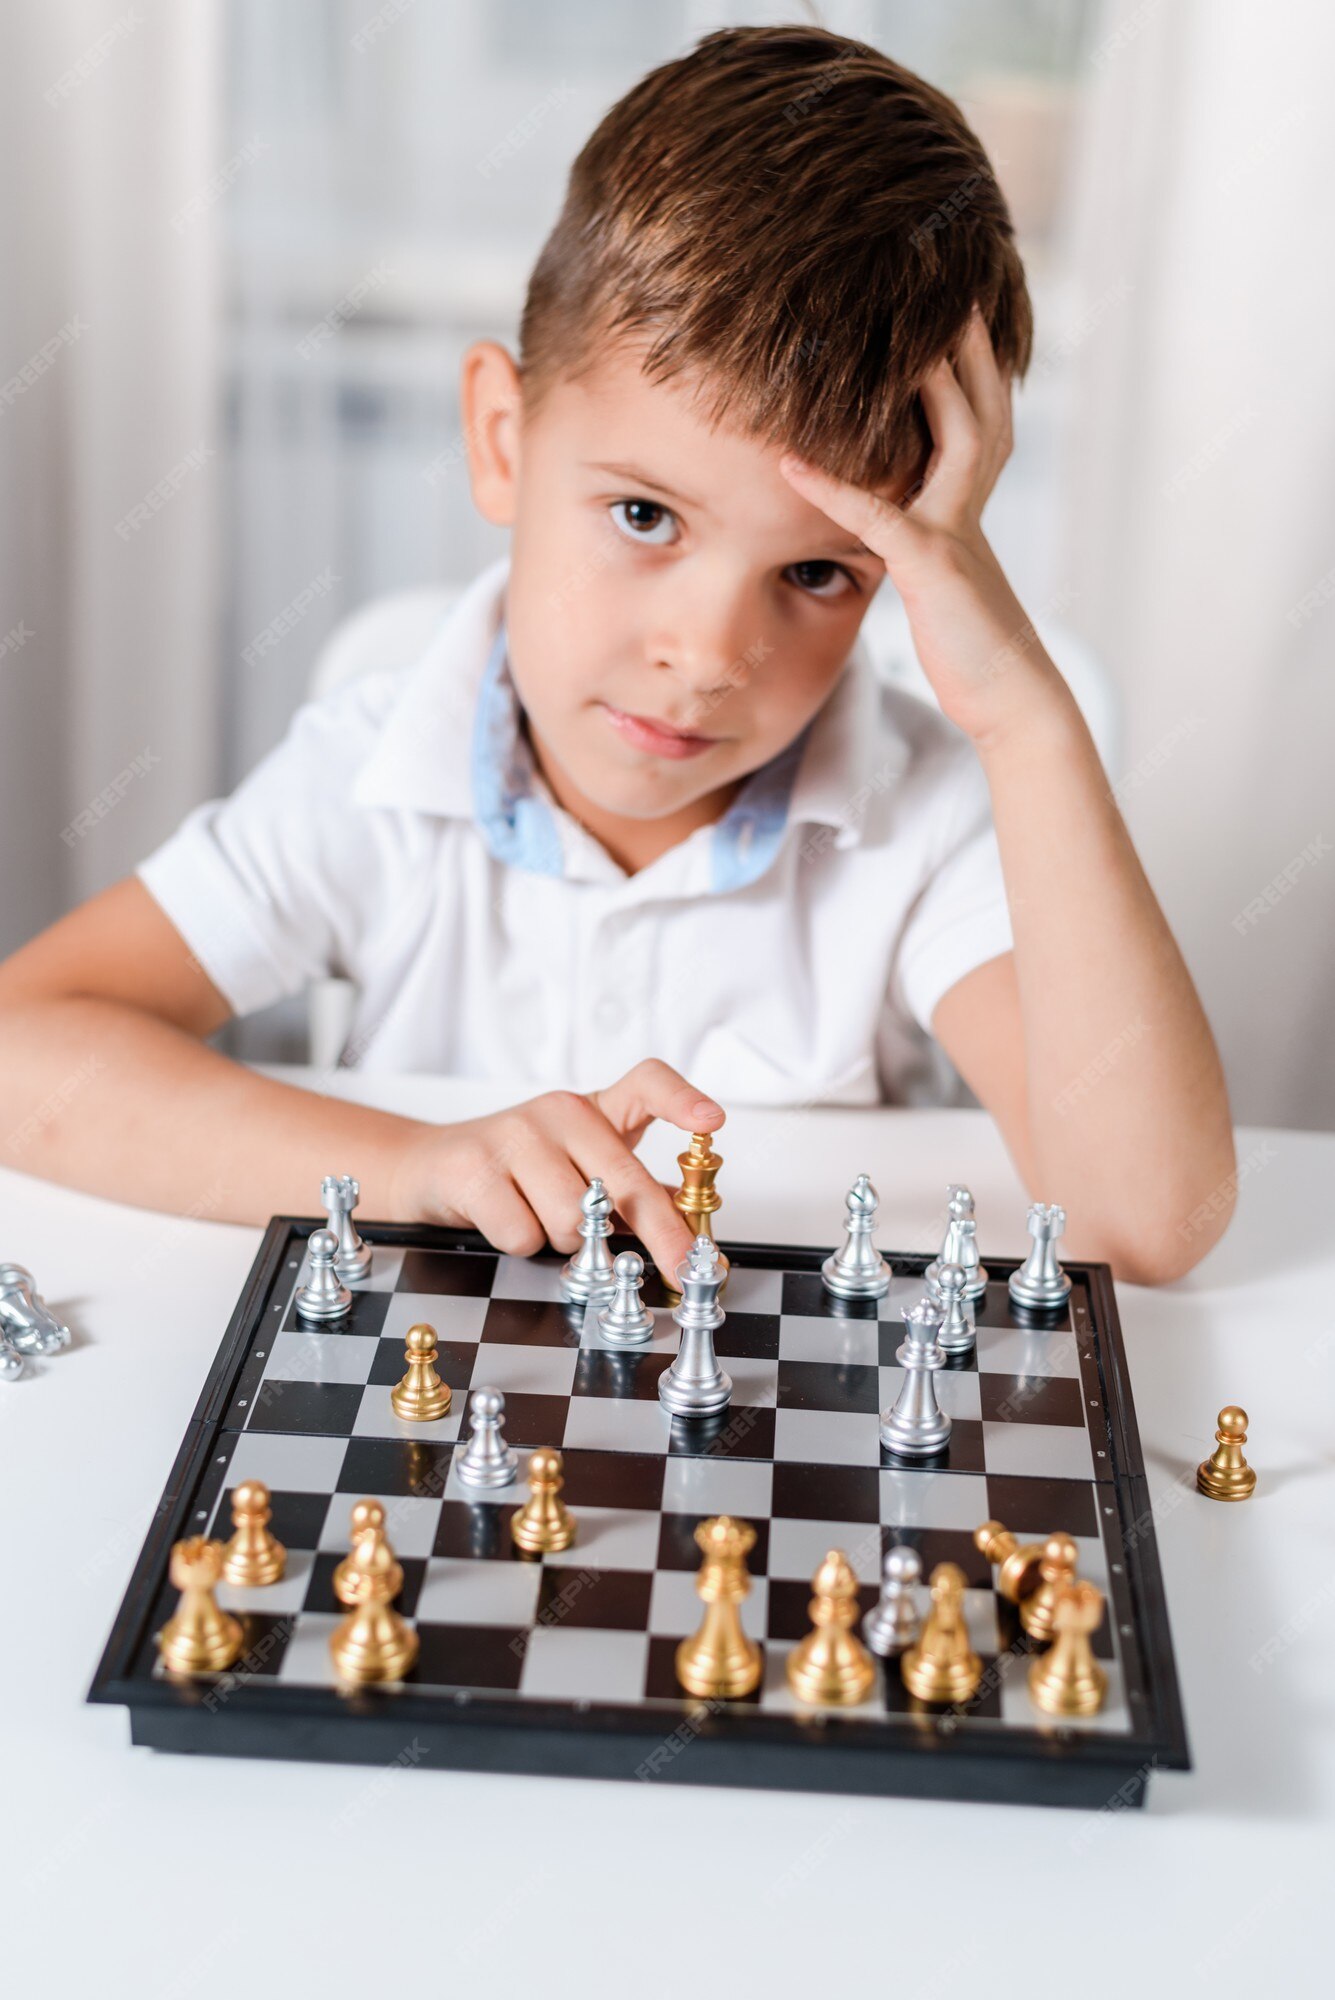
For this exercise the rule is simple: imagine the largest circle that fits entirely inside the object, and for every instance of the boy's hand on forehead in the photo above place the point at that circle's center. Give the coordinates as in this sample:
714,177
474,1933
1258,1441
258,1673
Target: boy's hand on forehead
519,1174
976,645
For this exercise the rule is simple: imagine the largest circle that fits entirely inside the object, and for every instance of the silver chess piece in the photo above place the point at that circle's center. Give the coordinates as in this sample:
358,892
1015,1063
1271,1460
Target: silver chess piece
340,1194
323,1296
1040,1283
27,1323
627,1322
11,1362
892,1622
588,1274
960,1245
917,1426
487,1460
957,1333
856,1270
695,1385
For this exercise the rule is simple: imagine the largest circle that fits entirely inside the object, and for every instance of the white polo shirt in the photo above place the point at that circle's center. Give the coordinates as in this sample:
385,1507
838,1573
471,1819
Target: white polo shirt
400,836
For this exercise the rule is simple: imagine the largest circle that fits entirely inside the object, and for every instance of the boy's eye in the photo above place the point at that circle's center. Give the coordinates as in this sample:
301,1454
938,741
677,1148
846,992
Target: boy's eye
644,519
814,577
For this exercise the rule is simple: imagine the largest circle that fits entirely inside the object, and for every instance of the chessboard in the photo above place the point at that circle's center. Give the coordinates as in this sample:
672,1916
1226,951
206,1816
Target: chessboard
564,1664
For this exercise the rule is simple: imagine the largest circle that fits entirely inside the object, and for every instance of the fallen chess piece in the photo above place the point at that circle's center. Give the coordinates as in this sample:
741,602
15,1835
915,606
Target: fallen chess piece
718,1662
198,1638
1067,1679
544,1523
340,1194
857,1270
943,1667
1040,1284
1225,1474
420,1396
831,1668
892,1622
1056,1570
324,1295
11,1361
374,1642
27,1323
1018,1565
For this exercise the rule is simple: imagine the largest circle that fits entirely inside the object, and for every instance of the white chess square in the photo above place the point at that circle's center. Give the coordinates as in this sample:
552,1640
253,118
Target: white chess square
718,1486
453,1316
304,1355
828,1437
536,1371
611,1538
459,1590
1038,1451
933,1499
376,1418
410,1522
675,1608
602,1423
798,1548
845,1342
567,1663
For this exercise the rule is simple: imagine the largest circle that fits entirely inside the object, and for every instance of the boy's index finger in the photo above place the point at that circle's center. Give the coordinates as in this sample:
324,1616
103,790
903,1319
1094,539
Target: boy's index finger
652,1090
875,519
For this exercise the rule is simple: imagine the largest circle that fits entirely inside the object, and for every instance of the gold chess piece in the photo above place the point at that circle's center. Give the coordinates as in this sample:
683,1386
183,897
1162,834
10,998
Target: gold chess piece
198,1638
831,1667
1225,1474
1016,1563
719,1660
544,1522
420,1397
1056,1570
697,1199
254,1555
943,1666
374,1642
1067,1679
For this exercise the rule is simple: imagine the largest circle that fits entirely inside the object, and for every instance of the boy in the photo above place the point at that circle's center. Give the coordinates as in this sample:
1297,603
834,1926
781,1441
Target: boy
642,807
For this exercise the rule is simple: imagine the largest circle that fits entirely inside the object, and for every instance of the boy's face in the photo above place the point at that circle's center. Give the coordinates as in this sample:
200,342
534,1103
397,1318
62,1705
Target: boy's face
664,577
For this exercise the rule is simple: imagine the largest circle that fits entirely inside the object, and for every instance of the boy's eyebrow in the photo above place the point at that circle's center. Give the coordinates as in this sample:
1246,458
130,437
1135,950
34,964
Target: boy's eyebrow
637,472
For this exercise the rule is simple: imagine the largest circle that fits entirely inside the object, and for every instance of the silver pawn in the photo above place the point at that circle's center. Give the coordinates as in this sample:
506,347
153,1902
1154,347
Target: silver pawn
27,1322
323,1296
340,1194
487,1460
627,1322
892,1622
957,1334
588,1274
1040,1283
856,1270
11,1362
917,1426
960,1246
695,1385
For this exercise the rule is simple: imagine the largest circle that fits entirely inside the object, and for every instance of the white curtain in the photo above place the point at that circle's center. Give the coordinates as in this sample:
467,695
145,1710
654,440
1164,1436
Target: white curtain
109,463
1200,500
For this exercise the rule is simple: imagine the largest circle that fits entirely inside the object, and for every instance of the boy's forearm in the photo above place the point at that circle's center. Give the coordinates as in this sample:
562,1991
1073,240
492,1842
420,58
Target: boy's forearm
107,1099
1125,1092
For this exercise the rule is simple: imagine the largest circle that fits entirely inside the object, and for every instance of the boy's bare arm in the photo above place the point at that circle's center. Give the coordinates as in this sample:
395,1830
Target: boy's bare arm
109,1086
1089,1043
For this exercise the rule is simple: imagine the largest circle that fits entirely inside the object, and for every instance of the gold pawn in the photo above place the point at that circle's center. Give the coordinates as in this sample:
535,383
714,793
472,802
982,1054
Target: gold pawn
253,1556
373,1643
831,1667
198,1638
1067,1679
943,1667
698,1200
420,1396
1056,1570
718,1661
1016,1563
1225,1474
544,1523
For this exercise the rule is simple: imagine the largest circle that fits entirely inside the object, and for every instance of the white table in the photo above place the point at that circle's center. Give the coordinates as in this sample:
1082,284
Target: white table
131,1872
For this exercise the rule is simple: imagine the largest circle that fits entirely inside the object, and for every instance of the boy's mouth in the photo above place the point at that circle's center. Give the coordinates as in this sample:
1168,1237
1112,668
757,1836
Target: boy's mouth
655,737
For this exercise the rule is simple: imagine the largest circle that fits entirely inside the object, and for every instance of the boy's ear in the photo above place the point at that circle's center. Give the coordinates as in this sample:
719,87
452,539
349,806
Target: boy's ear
490,402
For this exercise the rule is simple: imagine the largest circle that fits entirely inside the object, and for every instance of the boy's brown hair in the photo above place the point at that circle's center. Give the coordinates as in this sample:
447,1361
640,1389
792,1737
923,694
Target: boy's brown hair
799,221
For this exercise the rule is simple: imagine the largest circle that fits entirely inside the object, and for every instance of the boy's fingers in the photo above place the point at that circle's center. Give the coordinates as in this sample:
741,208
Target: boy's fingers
654,1090
948,489
645,1203
876,520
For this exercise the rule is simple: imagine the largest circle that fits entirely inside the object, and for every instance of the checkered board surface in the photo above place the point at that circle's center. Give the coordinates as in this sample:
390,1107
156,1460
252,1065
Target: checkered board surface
591,1632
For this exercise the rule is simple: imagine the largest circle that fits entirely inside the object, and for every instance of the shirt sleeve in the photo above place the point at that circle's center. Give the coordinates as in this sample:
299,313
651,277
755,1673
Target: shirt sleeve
265,886
960,918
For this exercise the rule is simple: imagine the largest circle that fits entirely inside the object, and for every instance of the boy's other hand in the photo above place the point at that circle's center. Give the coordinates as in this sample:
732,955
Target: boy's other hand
976,645
518,1175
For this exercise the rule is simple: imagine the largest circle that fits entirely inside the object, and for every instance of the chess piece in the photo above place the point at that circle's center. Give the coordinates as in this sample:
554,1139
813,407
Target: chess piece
957,1333
943,1667
340,1194
254,1555
1040,1284
420,1397
831,1667
27,1323
324,1295
718,1662
1067,1679
11,1361
960,1246
1225,1474
487,1459
892,1622
697,1198
198,1638
544,1523
1016,1564
627,1322
917,1427
695,1385
856,1270
588,1274
374,1642
1056,1569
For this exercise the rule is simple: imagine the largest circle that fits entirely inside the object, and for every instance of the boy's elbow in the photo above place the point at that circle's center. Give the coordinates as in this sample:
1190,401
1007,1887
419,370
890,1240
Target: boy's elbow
1183,1232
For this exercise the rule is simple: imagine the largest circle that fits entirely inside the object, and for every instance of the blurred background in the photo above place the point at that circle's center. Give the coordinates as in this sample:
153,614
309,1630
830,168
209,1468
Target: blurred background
245,244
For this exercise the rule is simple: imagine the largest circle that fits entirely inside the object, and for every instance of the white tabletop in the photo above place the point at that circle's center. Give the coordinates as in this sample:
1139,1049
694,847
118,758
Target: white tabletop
127,1871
